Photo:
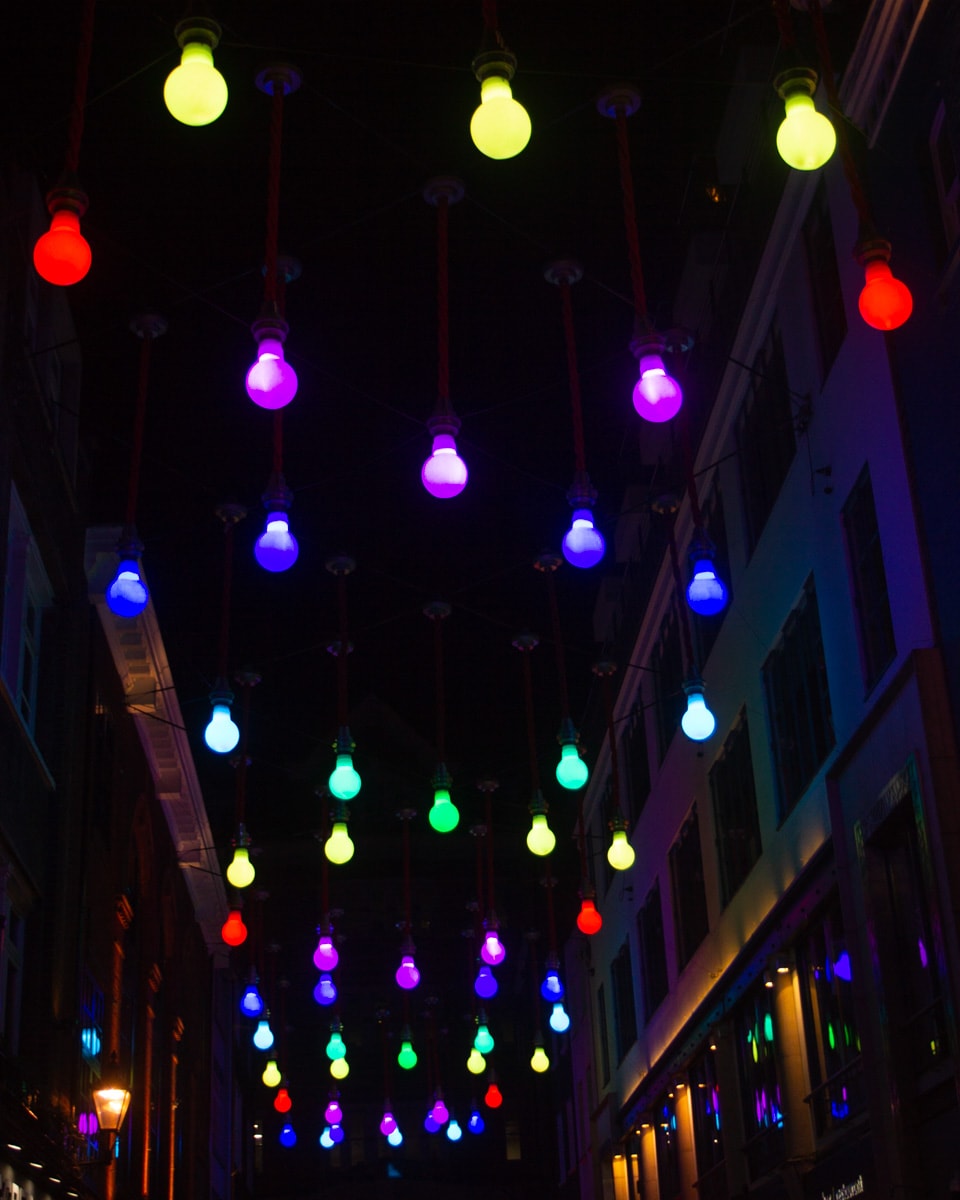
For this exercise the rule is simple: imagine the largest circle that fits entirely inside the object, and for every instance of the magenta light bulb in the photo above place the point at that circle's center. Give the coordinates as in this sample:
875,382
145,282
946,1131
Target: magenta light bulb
325,957
444,474
388,1123
276,549
485,985
583,543
271,381
492,951
333,1113
440,1113
407,974
656,396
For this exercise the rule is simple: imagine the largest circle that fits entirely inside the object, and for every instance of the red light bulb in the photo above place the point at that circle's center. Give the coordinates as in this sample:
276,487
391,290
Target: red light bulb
62,255
234,932
493,1097
282,1102
885,302
589,920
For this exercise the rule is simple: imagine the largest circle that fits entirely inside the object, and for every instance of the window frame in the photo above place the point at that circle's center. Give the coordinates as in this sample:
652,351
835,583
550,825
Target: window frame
733,792
868,578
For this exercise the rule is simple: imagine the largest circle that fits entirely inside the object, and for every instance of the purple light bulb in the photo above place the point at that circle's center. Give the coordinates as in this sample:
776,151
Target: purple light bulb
388,1123
440,1112
430,1123
336,1134
407,974
333,1113
492,951
326,990
271,381
656,395
583,543
444,474
325,957
485,985
276,549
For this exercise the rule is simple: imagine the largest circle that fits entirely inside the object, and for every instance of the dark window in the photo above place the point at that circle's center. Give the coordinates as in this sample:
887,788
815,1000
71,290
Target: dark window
705,1106
759,1083
637,755
706,628
946,176
653,954
827,294
735,810
624,1005
689,892
603,1035
668,1148
798,700
868,580
667,667
765,435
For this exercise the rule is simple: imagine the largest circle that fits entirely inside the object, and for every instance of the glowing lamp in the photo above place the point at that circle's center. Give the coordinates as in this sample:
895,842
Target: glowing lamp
539,1060
325,957
493,1097
325,1140
221,733
338,847
263,1035
583,544
444,814
339,1068
271,1074
233,931
407,975
326,990
589,920
388,1123
335,1047
552,988
698,722
240,873
271,382
706,591
485,984
444,474
344,781
336,1134
395,1138
251,1002
195,92
281,1101
407,1057
127,594
62,255
559,1018
440,1113
621,854
540,837
484,1039
276,549
475,1124
110,1100
656,395
806,138
500,127
288,1136
454,1132
333,1113
885,302
476,1063
572,771
430,1123
493,951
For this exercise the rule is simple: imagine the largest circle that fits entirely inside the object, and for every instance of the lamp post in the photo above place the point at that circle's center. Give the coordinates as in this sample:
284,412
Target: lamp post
110,1101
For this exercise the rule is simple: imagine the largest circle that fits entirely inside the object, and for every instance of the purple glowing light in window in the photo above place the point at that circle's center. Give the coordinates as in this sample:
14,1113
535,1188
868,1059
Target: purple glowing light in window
923,953
271,382
842,968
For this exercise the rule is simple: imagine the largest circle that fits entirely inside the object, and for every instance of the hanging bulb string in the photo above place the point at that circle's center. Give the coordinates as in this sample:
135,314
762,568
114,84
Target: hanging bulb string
278,443
630,217
579,452
84,51
678,584
273,193
443,305
147,334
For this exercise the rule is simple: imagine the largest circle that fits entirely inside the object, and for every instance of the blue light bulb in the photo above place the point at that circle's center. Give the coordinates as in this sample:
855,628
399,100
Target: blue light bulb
127,594
251,1002
430,1122
552,987
475,1124
326,990
287,1135
336,1134
583,544
485,985
706,591
276,548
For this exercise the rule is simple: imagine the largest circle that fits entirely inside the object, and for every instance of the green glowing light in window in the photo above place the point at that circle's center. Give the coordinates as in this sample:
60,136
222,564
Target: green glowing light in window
768,1028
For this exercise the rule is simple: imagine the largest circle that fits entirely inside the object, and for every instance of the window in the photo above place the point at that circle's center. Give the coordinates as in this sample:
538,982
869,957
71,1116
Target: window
735,810
603,1034
689,893
705,1106
868,580
653,954
759,1082
624,1005
668,1148
798,700
824,275
765,435
666,665
27,592
636,753
946,176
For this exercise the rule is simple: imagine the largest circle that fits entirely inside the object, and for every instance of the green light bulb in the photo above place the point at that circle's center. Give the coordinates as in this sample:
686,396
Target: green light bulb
572,772
444,815
335,1047
476,1063
407,1058
484,1040
344,781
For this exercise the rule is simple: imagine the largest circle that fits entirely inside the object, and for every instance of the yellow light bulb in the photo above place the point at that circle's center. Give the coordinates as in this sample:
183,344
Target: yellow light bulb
338,847
271,1073
621,854
195,92
500,127
539,1061
540,838
339,1068
806,138
476,1063
240,873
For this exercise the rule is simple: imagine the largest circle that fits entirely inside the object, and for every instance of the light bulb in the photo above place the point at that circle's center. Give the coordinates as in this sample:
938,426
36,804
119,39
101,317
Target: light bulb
281,1101
589,920
706,591
444,814
493,1097
407,975
540,838
325,1140
325,957
388,1123
583,544
476,1063
440,1112
221,733
339,1068
444,474
240,873
430,1122
484,1039
454,1132
407,1057
263,1035
485,985
335,1047
195,92
539,1060
806,138
493,951
336,1134
344,781
698,722
338,847
885,302
572,771
251,1002
621,854
326,990
475,1124
333,1113
271,382
276,549
552,988
395,1138
127,594
656,395
500,127
559,1018
288,1135
62,255
233,931
271,1073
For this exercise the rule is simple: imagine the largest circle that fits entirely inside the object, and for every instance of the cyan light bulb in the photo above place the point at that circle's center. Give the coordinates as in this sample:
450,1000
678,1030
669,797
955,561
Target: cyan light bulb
271,382
484,1039
493,951
656,395
344,781
263,1035
706,591
583,544
127,594
698,722
485,985
444,815
276,549
395,1138
325,992
444,473
407,975
454,1132
540,838
500,127
338,847
572,771
221,733
335,1047
325,1140
559,1018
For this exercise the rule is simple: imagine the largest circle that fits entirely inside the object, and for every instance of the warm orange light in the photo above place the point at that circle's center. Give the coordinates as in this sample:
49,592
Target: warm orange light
885,302
62,255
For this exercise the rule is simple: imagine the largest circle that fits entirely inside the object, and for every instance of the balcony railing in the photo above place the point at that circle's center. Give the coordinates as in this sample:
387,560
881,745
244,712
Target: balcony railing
839,1098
